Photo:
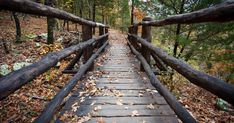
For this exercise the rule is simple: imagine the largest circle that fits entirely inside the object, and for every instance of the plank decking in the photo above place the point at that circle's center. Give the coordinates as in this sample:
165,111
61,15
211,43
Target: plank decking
126,96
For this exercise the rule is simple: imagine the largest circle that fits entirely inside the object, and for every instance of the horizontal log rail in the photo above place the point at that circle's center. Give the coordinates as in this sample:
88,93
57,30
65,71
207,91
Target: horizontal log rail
30,7
47,115
214,85
181,112
219,13
16,79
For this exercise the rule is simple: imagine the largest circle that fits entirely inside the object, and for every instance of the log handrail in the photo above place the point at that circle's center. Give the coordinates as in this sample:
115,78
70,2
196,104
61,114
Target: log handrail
219,13
47,115
214,85
181,112
30,7
16,79
223,12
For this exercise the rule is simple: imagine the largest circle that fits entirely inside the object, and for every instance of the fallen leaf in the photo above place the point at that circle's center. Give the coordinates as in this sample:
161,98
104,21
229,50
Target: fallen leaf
135,113
119,102
100,120
93,103
150,106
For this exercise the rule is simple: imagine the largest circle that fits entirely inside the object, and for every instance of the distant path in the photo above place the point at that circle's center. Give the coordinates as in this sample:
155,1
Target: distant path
123,95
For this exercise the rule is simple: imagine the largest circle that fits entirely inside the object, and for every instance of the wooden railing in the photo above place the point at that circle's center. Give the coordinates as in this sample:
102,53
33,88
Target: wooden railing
219,13
16,79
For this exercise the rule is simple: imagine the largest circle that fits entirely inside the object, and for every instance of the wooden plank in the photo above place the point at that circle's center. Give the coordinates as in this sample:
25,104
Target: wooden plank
119,80
138,86
125,100
123,111
127,93
155,119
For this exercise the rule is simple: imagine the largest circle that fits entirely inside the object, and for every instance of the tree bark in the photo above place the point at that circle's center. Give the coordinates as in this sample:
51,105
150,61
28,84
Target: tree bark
18,28
94,16
132,18
50,24
178,28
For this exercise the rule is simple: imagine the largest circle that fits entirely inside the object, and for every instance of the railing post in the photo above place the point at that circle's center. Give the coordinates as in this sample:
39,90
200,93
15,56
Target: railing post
86,35
106,30
146,34
101,32
135,31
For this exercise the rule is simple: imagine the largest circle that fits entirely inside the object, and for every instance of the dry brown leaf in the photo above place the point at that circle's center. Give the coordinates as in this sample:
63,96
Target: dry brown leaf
119,102
97,108
150,106
100,120
93,103
135,113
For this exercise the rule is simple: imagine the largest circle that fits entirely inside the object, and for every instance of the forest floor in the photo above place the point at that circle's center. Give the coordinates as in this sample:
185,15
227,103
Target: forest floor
26,104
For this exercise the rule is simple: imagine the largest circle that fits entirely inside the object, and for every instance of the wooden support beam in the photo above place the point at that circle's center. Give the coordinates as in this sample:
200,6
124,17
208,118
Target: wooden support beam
48,113
106,30
135,43
101,32
74,71
146,34
74,61
216,86
30,7
181,112
159,63
14,80
86,35
223,12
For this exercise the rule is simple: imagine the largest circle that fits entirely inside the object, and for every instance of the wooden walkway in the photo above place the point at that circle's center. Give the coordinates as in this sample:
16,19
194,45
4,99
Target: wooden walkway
123,94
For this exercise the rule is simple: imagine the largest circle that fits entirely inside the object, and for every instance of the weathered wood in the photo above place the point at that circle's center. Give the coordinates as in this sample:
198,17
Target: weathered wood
88,51
142,119
134,43
214,85
52,107
146,34
120,111
159,63
106,30
219,13
101,32
74,61
14,80
181,112
108,100
136,92
30,7
74,71
140,86
134,30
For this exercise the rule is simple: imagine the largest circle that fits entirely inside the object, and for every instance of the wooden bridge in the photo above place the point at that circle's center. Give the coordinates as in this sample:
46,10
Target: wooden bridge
122,93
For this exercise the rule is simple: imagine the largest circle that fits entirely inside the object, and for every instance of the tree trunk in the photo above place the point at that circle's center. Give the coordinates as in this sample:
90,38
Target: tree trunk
178,28
132,12
183,47
81,8
50,24
18,28
68,26
176,41
94,15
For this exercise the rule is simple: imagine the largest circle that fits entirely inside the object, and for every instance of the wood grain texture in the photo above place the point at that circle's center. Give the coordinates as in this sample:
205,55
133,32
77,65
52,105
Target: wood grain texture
122,74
